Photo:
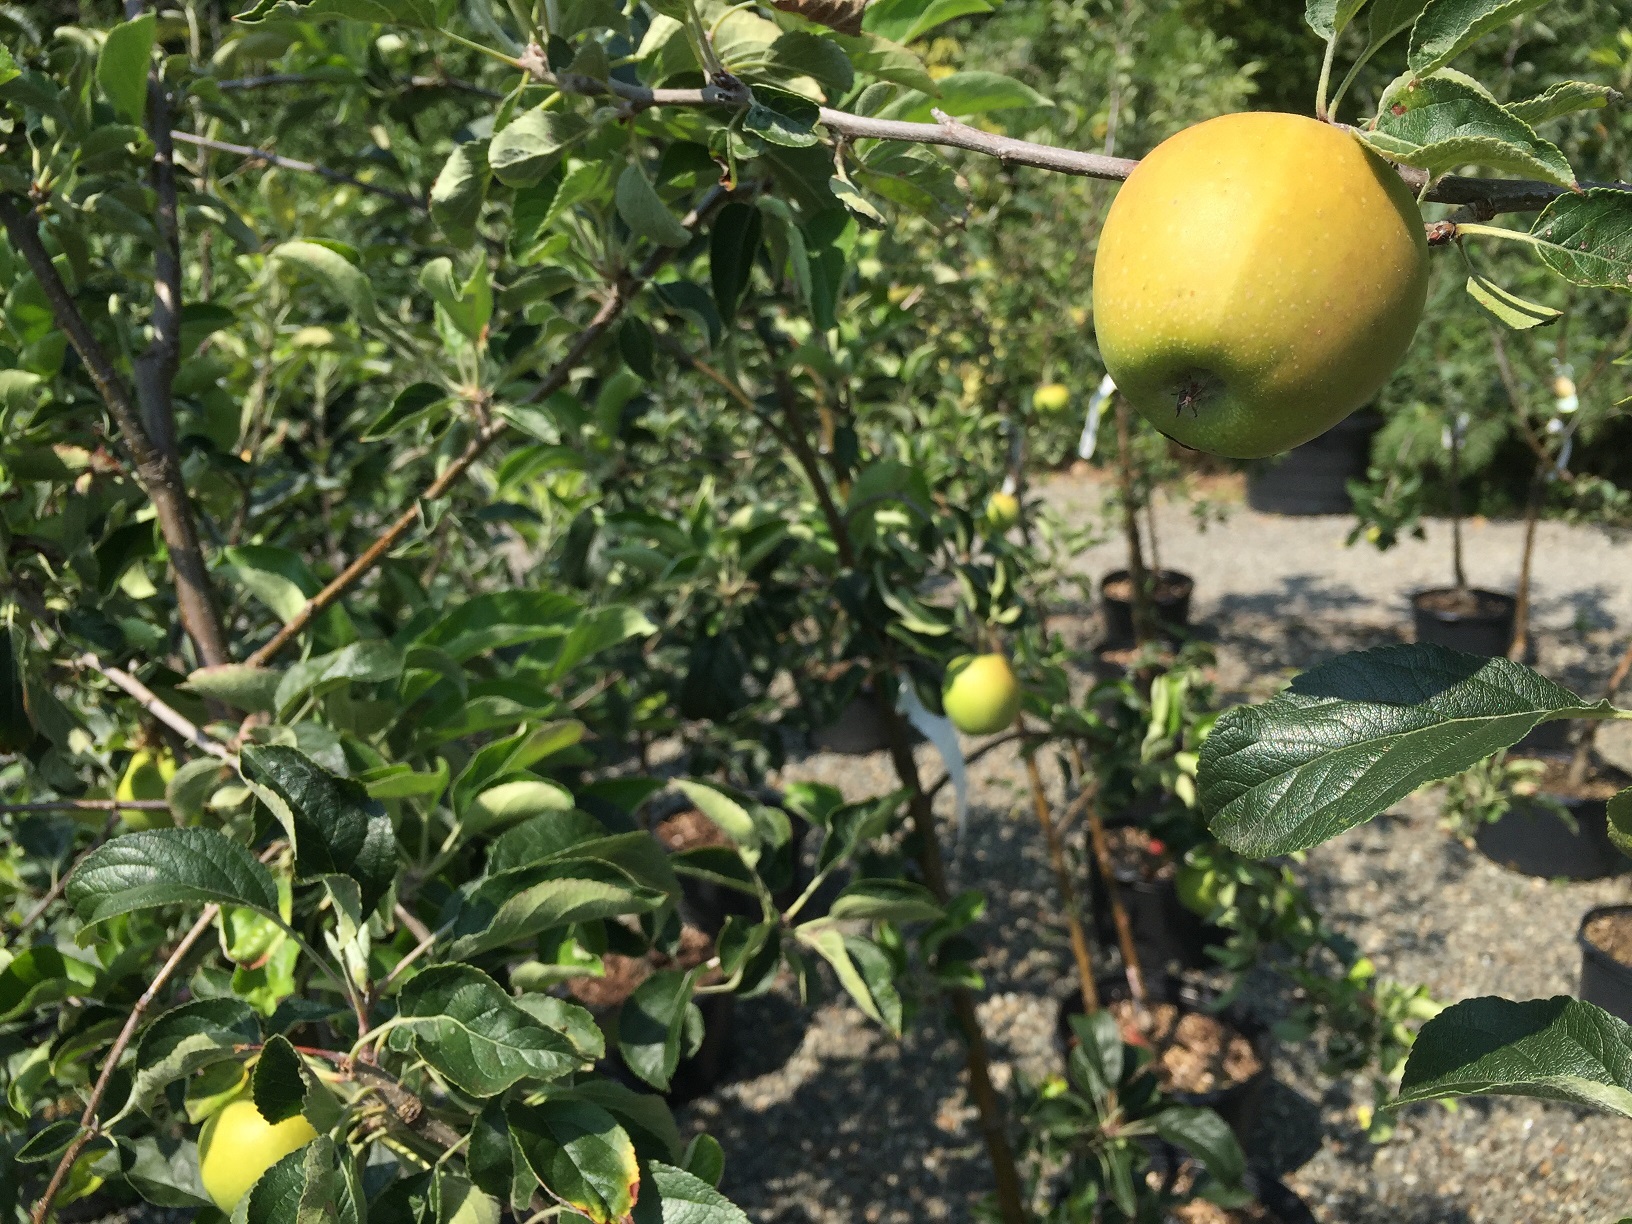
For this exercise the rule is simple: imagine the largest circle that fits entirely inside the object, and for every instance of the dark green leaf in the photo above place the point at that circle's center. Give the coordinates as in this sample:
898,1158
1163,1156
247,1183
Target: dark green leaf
687,1199
278,1086
645,213
886,900
40,975
651,1023
498,912
1620,821
1557,1049
187,1038
580,1155
1447,27
459,191
336,827
967,93
463,1024
905,21
1329,18
1206,1136
1354,735
169,867
302,1188
1587,238
733,247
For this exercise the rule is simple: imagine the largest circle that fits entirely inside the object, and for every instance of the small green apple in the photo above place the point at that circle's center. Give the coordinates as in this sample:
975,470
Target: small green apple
1258,278
1051,397
982,694
1002,511
237,1145
146,777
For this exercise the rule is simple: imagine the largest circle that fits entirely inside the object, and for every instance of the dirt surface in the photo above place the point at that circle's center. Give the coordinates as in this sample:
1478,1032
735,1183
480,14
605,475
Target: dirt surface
827,1120
1168,588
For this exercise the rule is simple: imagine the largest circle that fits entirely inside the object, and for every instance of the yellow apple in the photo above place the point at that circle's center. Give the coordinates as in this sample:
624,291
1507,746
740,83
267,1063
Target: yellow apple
146,777
1002,510
1258,278
982,695
237,1145
1050,397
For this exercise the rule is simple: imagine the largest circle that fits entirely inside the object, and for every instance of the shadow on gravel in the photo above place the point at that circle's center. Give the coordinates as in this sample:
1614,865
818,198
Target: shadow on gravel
1289,1131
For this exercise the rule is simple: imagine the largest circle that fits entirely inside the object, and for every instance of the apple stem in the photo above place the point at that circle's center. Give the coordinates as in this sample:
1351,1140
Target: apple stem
1321,111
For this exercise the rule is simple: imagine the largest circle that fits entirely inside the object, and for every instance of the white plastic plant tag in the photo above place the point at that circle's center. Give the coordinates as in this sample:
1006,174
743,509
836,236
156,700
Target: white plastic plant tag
1090,428
938,730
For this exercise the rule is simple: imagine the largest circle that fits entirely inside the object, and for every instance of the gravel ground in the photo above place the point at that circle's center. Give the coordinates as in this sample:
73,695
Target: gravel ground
881,1128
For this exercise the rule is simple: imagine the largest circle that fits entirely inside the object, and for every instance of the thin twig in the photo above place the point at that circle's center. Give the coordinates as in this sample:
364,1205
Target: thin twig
165,713
89,1127
1086,986
622,294
305,167
88,805
160,475
416,928
1483,198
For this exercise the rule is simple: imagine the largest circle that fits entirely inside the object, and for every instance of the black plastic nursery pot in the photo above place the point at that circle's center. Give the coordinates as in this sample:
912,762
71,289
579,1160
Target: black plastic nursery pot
1172,591
694,1076
1533,839
1239,1104
1606,979
1475,622
1313,478
1166,934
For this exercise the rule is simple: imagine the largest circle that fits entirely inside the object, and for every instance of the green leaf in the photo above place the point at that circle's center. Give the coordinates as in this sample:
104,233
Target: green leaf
412,14
497,914
169,867
1563,98
335,826
1587,238
164,1180
580,1155
1329,18
644,213
246,688
463,1024
733,245
967,93
510,803
8,67
300,1189
459,191
336,274
1447,27
687,1199
1388,18
1206,1136
188,1038
529,147
366,662
801,53
1446,121
1620,821
504,618
904,21
1508,308
731,817
122,66
887,901
781,118
1359,733
651,1023
829,944
278,1085
275,576
1557,1049
40,975
888,61
469,306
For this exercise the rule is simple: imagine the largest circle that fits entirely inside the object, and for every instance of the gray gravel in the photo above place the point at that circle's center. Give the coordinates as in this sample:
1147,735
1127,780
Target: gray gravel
828,1120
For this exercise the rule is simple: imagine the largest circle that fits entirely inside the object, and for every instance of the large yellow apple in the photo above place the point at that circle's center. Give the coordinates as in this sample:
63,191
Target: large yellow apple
146,777
1258,278
237,1145
982,695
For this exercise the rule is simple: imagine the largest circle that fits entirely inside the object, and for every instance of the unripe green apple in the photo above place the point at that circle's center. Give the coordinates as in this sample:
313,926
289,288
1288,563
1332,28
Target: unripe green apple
1258,278
146,777
237,1145
1050,397
982,695
1002,510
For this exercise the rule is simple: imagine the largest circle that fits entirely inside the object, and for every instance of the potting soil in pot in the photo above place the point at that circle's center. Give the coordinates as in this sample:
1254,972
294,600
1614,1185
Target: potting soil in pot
1195,1053
1464,604
1165,589
622,975
1135,855
688,830
1611,934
